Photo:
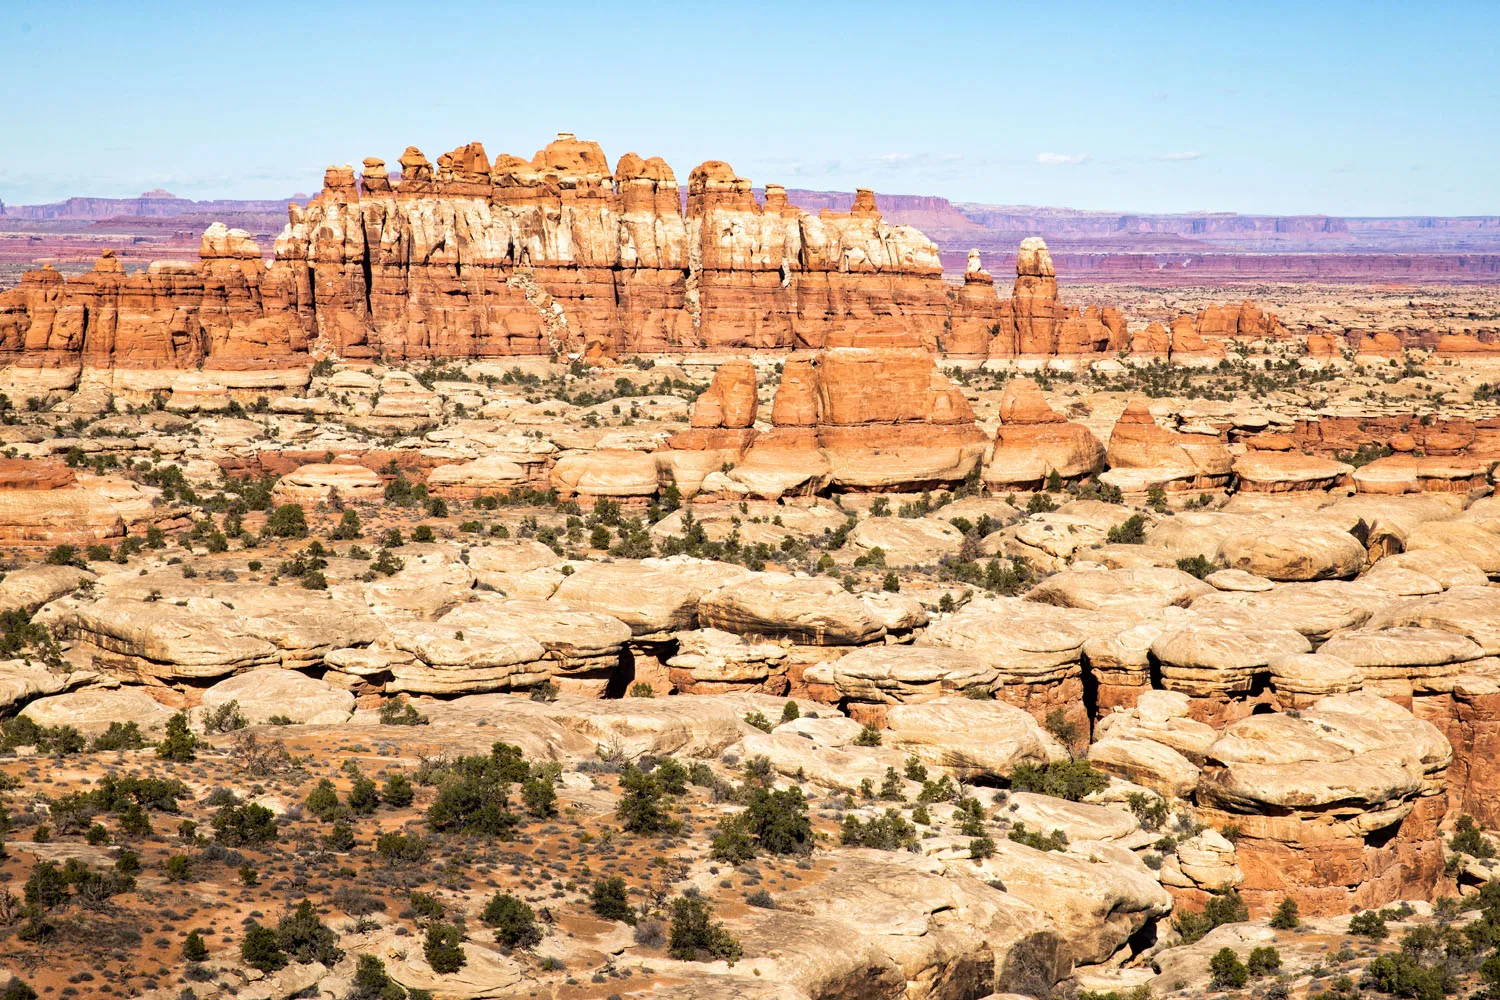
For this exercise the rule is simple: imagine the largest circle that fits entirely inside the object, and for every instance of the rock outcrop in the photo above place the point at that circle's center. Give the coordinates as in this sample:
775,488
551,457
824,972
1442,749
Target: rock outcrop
1035,442
861,419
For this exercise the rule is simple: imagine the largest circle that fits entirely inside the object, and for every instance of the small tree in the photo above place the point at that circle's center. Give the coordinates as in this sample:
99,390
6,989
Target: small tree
1263,961
641,808
323,801
610,901
303,935
260,949
695,932
1226,971
1286,917
443,948
179,745
349,529
17,989
364,797
372,982
397,792
513,922
287,521
193,949
539,796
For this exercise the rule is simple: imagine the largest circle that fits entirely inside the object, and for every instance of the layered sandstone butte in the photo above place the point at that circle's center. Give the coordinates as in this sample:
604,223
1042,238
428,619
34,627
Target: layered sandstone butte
858,418
471,257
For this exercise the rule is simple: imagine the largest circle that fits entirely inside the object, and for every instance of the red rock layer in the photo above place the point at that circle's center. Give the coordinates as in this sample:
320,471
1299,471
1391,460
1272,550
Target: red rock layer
469,257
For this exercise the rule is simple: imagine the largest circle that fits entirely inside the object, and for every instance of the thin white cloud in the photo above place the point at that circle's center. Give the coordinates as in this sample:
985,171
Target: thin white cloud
1062,159
892,157
1180,157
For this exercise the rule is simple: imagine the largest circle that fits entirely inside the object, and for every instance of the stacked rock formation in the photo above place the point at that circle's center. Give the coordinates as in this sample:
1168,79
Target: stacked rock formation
1035,442
1034,321
862,419
1142,454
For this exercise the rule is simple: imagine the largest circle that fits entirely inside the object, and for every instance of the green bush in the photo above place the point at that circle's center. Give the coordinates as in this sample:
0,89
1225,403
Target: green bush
1070,779
443,948
694,933
179,745
1369,924
304,937
244,826
610,901
1056,841
888,832
1468,838
287,521
1286,917
1131,531
641,808
261,950
1226,971
513,922
1263,961
323,801
193,949
1225,906
397,792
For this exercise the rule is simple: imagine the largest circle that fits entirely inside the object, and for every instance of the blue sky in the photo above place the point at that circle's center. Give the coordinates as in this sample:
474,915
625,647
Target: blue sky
1339,107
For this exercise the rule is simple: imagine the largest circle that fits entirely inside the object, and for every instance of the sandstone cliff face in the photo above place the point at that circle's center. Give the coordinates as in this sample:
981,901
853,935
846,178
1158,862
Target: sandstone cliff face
858,418
469,257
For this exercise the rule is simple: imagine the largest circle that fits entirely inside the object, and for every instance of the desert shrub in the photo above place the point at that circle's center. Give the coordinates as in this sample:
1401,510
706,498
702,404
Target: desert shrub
401,848
641,808
350,527
1468,838
1197,566
694,932
193,948
287,521
323,801
888,832
119,736
1403,975
225,719
609,900
443,948
1263,961
759,721
1225,906
261,949
1035,839
869,736
1286,917
1070,779
1369,924
303,936
372,982
400,712
179,745
1226,971
243,826
1064,731
364,797
397,792
1131,531
513,922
